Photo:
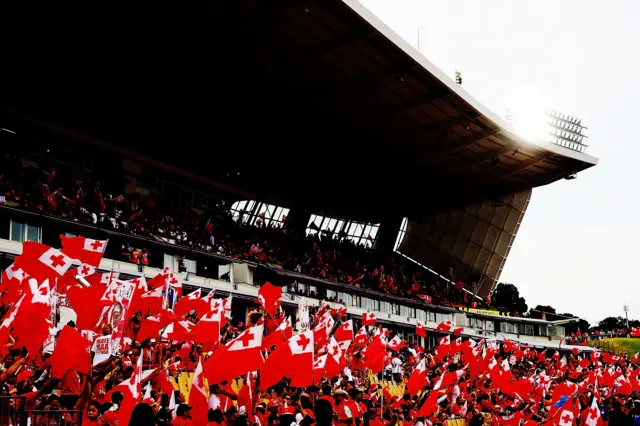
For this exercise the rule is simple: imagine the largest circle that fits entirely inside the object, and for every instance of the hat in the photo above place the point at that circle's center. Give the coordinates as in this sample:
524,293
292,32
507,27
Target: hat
340,392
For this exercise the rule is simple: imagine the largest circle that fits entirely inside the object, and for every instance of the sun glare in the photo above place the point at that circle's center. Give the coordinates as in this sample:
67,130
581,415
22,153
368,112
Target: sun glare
527,109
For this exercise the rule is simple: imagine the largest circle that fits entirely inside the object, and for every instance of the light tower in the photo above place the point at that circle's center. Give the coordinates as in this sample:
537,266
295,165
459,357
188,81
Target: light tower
567,131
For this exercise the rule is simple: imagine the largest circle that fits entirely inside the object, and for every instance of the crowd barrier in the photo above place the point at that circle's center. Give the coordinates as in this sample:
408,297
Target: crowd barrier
13,412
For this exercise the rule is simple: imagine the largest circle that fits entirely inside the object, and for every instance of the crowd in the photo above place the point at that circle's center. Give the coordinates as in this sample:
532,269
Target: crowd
326,256
256,371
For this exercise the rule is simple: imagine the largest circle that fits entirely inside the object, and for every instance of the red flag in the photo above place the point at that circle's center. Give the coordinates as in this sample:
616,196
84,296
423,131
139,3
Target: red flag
84,249
293,360
368,318
420,330
152,325
444,326
246,396
208,328
418,379
42,262
71,353
193,302
361,338
198,397
131,390
240,355
269,297
345,331
87,304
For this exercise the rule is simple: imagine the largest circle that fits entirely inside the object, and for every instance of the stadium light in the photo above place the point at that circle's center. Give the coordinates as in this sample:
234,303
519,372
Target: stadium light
527,113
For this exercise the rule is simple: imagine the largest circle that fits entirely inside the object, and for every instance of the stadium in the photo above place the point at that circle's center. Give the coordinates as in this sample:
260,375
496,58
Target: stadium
303,144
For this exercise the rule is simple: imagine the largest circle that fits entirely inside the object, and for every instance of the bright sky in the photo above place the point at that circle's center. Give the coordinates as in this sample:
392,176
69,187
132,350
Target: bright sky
579,238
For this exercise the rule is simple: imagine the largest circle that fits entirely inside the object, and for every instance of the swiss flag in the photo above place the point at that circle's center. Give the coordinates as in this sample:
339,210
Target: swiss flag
293,360
344,331
269,297
84,249
239,356
368,318
420,330
42,262
198,397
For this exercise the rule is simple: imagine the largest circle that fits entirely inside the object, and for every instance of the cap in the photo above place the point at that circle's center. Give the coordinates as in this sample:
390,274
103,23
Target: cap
340,392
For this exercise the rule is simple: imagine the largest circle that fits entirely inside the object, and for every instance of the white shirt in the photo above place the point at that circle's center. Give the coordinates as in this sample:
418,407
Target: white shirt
102,348
396,365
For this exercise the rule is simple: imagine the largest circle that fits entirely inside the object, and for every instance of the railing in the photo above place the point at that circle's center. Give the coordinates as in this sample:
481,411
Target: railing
53,418
13,412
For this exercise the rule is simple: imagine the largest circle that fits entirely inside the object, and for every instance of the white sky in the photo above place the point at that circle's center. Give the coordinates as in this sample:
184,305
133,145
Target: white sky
579,238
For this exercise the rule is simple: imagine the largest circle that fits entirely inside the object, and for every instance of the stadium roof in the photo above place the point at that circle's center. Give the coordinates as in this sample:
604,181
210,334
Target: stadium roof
315,103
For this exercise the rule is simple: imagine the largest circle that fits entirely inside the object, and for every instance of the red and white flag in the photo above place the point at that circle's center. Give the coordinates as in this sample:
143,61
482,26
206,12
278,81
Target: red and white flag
269,297
198,397
344,331
239,356
444,326
293,360
361,337
368,318
84,249
420,330
396,344
42,262
418,379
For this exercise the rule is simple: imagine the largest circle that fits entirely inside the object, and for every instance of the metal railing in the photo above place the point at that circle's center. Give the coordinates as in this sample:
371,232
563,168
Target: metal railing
13,412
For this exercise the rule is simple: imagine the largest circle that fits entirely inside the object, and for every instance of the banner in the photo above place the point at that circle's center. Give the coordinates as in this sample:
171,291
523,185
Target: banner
302,319
114,315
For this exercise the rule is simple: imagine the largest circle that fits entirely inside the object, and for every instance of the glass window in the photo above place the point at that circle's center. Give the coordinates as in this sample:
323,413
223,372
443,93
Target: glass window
432,316
21,232
33,233
359,232
490,325
528,329
442,317
421,315
17,231
268,214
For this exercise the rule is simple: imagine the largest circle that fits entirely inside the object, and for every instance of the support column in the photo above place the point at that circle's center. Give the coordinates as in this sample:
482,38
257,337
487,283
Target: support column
387,234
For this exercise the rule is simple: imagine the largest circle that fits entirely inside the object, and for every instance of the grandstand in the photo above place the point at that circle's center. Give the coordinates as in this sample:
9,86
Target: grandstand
314,107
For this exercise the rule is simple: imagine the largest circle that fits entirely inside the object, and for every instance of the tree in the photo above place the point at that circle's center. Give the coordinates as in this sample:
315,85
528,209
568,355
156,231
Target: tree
611,323
581,326
508,298
539,309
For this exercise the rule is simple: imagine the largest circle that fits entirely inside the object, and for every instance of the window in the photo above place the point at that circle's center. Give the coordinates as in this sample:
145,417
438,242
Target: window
252,212
490,325
507,327
421,315
442,317
24,232
369,304
359,232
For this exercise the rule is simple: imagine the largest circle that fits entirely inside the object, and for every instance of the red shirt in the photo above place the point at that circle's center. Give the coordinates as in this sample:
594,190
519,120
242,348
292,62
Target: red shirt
181,421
